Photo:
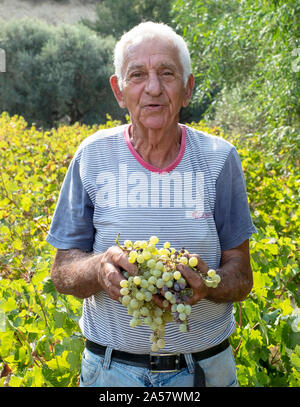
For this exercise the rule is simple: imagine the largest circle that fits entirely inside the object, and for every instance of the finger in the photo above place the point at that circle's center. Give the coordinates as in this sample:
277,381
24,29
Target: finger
120,258
111,281
195,281
191,276
159,299
201,266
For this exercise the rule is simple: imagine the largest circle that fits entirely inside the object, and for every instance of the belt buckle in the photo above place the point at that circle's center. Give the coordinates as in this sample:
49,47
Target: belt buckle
177,362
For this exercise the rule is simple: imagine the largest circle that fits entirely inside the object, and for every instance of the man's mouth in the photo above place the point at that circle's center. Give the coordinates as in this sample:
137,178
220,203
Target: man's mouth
153,105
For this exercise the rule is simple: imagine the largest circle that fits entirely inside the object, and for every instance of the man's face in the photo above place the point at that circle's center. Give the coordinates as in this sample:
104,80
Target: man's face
153,87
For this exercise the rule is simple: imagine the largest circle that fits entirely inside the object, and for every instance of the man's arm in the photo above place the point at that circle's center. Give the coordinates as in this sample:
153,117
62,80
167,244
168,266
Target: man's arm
82,274
236,277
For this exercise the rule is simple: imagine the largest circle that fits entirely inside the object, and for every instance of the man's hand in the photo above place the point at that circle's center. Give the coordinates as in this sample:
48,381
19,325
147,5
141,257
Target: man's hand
109,271
194,280
82,274
235,272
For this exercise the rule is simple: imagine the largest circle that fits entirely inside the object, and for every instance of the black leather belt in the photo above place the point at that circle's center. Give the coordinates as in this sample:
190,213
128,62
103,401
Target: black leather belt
161,362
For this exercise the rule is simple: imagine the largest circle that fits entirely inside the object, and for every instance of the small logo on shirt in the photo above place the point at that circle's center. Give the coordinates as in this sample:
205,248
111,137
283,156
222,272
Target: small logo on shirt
158,190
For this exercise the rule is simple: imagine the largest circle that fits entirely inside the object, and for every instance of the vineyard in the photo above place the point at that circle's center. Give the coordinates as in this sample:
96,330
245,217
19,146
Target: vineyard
40,339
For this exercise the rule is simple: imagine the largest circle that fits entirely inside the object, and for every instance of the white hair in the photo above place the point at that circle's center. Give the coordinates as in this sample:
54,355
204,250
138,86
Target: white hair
150,30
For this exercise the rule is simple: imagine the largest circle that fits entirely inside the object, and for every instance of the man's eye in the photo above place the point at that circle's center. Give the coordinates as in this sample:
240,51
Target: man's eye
137,75
167,75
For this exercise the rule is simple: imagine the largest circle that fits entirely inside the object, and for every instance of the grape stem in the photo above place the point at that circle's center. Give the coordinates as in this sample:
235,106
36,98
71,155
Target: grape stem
117,242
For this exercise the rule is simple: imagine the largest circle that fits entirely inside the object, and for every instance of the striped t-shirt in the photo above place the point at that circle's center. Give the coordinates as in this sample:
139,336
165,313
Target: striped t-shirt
198,202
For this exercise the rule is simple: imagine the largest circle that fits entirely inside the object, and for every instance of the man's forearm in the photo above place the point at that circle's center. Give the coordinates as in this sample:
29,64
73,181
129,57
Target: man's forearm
74,272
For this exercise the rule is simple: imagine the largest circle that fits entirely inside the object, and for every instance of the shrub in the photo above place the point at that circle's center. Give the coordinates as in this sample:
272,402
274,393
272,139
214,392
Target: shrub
56,74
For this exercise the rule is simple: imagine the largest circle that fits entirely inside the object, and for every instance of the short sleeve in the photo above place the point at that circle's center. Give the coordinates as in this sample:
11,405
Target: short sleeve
72,224
232,214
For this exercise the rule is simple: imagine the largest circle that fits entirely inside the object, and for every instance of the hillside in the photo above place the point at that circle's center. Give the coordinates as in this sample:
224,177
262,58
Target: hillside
53,12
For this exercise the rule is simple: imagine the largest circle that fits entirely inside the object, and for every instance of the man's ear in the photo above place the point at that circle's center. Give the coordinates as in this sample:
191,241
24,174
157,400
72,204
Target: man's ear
188,91
117,91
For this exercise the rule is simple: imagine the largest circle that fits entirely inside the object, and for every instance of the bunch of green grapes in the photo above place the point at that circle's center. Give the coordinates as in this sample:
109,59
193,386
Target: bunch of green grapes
158,274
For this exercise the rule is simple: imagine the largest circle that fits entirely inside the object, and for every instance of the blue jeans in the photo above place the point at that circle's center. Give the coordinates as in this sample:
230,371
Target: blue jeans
99,371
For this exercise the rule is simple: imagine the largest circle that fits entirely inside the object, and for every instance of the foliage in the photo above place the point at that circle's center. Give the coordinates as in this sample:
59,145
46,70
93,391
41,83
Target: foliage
114,18
56,74
246,59
267,339
40,339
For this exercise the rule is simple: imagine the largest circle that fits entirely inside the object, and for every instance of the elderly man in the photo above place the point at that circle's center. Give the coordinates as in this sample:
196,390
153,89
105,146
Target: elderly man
153,176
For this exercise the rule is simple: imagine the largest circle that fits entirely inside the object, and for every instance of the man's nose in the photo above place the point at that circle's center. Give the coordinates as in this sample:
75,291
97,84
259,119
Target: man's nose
153,85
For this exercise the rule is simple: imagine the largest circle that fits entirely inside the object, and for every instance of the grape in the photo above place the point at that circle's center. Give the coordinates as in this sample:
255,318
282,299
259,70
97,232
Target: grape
160,283
160,266
126,300
176,287
133,322
154,240
193,261
133,254
134,303
140,258
183,328
166,276
128,243
140,296
177,275
161,343
152,289
137,280
174,308
152,280
183,260
217,278
173,300
148,296
147,255
144,283
158,320
168,295
158,312
151,263
124,283
144,311
136,314
154,347
211,273
180,307
169,283
124,291
165,303
182,316
188,309
158,274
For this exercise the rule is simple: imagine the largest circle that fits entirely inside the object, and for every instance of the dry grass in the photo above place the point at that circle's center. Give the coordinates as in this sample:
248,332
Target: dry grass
52,12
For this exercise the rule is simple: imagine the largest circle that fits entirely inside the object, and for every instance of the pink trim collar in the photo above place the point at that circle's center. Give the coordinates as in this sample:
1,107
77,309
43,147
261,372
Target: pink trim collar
149,166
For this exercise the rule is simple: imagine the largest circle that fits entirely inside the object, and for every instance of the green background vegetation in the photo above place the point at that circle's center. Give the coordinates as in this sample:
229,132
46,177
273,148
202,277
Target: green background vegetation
246,59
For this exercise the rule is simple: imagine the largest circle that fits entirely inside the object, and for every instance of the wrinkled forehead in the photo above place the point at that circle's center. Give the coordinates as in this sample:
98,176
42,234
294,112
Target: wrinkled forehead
142,49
